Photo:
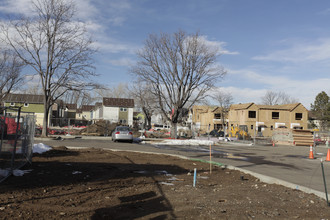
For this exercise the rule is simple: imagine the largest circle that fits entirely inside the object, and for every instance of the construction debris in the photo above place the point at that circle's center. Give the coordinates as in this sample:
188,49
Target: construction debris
292,137
99,128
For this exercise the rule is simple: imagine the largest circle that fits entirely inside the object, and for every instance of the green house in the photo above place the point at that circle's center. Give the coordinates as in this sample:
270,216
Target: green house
28,103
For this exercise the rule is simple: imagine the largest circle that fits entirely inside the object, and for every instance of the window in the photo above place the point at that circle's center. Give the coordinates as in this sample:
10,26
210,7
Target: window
275,115
123,109
252,114
251,127
271,127
217,116
122,121
26,104
12,104
298,116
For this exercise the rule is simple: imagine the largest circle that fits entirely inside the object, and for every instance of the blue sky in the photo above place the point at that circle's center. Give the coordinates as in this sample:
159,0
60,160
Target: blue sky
281,45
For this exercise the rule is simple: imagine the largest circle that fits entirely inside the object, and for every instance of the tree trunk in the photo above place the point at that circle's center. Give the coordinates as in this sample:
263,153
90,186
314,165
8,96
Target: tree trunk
149,122
44,132
45,123
174,128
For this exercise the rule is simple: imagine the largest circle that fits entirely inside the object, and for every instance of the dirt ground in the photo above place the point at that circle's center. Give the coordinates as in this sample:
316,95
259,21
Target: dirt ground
103,184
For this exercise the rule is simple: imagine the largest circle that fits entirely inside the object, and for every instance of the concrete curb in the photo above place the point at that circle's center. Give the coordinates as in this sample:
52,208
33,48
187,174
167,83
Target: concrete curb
261,177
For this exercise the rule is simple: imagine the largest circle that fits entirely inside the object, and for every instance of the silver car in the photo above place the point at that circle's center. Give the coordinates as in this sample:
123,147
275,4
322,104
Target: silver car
122,133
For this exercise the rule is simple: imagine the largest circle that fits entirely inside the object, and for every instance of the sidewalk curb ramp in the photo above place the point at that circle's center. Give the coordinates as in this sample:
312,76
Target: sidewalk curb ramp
261,177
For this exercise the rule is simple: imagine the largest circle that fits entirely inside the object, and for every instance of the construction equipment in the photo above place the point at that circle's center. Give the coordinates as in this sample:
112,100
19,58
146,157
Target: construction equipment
239,132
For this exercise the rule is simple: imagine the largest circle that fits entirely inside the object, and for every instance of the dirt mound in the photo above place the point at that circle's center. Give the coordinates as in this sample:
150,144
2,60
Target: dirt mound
99,128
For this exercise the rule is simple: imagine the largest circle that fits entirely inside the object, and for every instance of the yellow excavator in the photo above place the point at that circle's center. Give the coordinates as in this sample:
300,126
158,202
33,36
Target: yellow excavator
239,132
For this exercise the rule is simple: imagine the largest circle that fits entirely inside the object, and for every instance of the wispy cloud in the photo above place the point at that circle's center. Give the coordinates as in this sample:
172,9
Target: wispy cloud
109,46
325,11
300,52
217,44
122,62
85,9
256,84
16,7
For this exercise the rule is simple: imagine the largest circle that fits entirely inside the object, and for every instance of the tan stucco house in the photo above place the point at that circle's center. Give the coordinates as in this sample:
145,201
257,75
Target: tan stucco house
261,120
204,118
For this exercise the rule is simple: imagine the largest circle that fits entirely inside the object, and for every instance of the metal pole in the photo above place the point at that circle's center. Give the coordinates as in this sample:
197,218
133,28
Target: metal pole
325,184
254,138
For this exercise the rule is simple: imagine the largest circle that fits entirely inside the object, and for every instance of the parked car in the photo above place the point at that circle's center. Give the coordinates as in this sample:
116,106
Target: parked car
319,141
122,133
215,133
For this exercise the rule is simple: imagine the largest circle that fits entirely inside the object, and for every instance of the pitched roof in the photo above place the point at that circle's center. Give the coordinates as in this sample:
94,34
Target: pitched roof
24,98
87,108
71,106
241,106
118,102
286,107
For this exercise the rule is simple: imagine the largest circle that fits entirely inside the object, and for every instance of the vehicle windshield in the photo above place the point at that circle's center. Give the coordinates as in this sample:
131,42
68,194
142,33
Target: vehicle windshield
123,129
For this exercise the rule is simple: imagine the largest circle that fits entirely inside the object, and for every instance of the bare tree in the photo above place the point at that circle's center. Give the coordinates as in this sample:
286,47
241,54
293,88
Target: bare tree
78,97
224,100
145,100
119,91
277,98
10,73
57,47
178,68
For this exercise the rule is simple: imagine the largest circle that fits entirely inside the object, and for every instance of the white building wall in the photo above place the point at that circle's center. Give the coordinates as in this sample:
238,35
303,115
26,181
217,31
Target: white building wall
111,114
130,116
40,119
157,119
96,114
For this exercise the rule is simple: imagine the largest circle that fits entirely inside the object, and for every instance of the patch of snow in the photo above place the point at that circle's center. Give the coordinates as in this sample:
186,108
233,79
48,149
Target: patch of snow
4,172
159,172
41,148
140,171
20,172
168,184
184,142
15,172
76,172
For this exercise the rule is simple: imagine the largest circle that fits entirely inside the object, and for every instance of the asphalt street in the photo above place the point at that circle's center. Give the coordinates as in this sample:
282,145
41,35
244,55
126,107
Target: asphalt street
286,165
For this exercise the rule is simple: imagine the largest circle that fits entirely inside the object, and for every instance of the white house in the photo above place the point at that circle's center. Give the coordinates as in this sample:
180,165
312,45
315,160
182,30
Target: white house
115,110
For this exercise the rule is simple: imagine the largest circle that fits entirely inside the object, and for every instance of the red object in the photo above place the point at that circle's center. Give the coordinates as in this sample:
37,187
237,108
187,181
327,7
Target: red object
10,126
172,113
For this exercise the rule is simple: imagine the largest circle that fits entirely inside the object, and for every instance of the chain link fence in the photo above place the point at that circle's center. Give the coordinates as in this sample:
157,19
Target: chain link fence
17,133
322,137
67,122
